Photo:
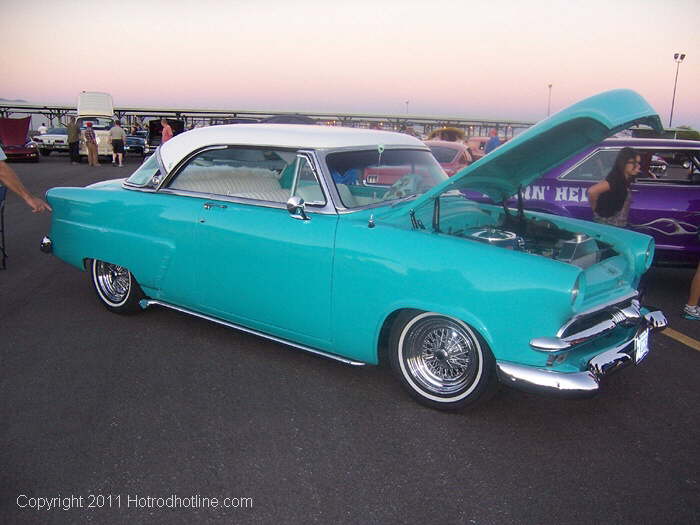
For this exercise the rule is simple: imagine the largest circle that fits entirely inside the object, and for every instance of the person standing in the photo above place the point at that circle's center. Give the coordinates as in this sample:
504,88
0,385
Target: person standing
10,180
691,310
492,143
42,129
73,141
118,137
167,131
610,199
91,145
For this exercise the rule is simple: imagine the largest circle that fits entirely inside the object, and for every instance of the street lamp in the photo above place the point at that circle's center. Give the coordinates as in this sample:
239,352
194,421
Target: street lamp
678,58
549,100
408,101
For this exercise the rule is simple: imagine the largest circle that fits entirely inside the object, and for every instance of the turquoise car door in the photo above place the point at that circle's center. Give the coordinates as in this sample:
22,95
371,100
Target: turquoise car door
260,266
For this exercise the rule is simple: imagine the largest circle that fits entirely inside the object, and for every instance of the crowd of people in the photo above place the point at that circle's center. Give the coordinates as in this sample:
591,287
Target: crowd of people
117,137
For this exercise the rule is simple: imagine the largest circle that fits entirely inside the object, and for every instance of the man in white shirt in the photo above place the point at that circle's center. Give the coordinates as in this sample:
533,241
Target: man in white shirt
42,129
118,137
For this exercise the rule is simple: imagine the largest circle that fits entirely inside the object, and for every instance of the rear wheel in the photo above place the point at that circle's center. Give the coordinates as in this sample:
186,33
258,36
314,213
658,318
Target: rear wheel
441,361
116,287
45,152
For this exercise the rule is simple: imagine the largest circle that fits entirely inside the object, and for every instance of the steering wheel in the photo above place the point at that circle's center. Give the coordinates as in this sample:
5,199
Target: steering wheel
406,185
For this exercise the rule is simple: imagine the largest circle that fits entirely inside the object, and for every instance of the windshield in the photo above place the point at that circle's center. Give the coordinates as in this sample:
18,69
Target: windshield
364,178
442,154
97,122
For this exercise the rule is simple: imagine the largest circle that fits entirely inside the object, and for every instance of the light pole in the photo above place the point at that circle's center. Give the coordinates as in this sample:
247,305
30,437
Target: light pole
407,105
678,58
549,100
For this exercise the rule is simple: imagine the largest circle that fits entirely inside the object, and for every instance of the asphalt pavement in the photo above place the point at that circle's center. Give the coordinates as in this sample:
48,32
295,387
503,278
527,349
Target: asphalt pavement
105,414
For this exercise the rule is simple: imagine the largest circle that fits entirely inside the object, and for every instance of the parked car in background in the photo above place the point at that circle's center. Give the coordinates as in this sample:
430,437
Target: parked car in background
15,141
137,144
452,156
97,108
55,139
155,131
665,196
448,134
248,226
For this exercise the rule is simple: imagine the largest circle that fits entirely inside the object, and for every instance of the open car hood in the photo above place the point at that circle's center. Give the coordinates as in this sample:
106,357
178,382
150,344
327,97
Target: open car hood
13,131
548,143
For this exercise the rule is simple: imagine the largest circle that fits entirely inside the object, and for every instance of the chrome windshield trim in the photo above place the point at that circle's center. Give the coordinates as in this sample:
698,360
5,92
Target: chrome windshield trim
145,303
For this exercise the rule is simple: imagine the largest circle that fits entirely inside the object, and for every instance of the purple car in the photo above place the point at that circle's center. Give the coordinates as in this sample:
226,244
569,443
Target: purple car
665,196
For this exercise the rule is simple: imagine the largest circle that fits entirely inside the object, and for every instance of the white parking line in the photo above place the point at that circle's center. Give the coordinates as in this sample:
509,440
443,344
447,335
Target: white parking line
682,338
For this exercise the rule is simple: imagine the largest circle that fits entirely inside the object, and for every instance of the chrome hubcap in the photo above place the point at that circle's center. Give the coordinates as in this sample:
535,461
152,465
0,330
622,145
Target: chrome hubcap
441,355
114,281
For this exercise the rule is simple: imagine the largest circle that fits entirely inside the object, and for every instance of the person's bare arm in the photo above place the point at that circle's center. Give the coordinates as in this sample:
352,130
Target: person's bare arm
595,191
11,181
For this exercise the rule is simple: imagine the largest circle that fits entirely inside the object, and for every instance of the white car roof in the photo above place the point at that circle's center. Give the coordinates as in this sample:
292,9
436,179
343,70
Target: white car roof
279,136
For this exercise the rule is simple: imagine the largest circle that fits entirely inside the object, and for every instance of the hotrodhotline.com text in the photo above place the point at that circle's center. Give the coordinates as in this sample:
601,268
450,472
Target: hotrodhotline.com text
130,501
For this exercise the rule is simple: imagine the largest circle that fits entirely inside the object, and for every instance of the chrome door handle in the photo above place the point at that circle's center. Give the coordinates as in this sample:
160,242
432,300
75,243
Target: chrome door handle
210,205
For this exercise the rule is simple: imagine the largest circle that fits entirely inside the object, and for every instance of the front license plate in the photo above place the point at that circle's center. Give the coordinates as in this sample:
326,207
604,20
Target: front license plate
641,346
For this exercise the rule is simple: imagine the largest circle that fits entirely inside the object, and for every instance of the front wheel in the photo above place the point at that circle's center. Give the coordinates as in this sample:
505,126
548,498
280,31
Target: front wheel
116,287
441,361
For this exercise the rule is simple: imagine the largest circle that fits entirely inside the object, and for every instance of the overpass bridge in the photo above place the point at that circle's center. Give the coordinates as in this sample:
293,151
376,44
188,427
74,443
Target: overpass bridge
131,115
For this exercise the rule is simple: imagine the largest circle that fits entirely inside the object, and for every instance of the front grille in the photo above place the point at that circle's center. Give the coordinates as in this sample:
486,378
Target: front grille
608,314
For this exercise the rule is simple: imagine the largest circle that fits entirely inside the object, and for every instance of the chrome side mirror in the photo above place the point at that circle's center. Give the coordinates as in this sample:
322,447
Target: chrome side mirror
296,208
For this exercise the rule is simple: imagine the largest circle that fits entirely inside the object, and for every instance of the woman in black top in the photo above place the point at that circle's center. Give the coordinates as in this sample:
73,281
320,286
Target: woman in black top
610,198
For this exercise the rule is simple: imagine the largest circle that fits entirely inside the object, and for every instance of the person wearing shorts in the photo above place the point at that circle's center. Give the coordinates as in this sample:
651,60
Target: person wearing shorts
118,137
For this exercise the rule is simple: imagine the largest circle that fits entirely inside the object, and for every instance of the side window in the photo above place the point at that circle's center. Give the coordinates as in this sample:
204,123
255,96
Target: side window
594,168
146,172
306,184
248,173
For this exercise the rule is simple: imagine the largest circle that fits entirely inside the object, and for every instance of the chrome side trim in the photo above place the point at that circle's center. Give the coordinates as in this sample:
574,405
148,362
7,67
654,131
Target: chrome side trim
145,303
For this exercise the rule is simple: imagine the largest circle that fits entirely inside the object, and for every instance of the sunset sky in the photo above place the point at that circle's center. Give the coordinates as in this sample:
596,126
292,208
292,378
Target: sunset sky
471,59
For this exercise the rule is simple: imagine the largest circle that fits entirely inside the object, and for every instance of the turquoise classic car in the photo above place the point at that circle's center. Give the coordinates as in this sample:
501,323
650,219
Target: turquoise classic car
271,229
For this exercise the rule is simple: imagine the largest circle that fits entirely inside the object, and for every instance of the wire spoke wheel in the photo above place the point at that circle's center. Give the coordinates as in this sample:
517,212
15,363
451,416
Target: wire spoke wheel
441,360
116,287
114,281
441,355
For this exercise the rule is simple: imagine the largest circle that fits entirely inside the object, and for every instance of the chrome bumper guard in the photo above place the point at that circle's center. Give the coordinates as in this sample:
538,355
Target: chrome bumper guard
583,384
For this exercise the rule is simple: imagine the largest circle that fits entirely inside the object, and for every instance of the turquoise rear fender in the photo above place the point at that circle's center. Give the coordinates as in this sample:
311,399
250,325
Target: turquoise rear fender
136,230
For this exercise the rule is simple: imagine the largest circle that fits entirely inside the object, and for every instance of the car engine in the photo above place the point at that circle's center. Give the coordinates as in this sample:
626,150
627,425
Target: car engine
540,237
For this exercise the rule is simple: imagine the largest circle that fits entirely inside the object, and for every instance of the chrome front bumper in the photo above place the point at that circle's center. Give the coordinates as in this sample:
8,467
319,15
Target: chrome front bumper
583,384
